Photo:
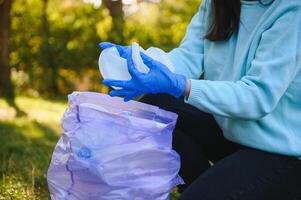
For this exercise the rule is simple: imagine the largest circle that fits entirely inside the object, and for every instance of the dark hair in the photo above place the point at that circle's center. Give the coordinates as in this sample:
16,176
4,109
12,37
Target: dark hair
225,19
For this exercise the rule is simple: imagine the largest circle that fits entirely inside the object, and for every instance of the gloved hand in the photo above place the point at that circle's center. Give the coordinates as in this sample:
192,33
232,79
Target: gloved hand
126,93
158,80
122,50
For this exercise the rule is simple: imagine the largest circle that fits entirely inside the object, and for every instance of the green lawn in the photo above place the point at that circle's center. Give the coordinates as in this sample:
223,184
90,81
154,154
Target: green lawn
26,146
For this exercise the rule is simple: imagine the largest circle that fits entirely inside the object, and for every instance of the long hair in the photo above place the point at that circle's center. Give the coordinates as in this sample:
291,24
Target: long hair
225,19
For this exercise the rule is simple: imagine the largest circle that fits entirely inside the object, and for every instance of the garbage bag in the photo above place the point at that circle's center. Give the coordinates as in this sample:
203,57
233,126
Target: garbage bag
112,66
111,150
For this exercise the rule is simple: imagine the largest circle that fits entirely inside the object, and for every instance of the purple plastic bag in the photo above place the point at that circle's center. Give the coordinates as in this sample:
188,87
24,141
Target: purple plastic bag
111,150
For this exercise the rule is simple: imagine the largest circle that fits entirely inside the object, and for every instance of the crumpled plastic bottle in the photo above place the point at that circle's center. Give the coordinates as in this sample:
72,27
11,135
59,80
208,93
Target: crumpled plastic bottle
111,150
112,66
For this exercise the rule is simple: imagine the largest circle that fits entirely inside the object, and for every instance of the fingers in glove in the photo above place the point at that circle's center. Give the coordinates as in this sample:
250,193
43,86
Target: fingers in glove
121,49
132,96
105,45
148,61
118,83
121,92
131,66
128,94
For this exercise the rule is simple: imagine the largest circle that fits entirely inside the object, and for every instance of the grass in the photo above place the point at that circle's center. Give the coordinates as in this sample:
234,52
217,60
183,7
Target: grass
27,145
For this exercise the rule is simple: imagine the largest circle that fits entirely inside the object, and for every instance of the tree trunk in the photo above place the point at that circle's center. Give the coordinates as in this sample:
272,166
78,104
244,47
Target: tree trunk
6,86
116,11
47,53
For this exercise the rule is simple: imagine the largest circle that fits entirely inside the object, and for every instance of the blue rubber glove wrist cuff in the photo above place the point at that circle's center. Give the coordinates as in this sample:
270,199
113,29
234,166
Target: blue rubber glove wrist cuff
179,86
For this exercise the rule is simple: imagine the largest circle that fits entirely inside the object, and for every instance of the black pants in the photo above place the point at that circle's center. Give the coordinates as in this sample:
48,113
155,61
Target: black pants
238,172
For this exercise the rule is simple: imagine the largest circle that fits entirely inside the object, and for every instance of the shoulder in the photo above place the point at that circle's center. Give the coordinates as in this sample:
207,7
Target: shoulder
288,10
290,3
285,6
281,11
205,9
205,4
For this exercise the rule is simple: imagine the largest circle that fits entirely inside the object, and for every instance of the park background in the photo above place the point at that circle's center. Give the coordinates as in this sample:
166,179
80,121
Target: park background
48,49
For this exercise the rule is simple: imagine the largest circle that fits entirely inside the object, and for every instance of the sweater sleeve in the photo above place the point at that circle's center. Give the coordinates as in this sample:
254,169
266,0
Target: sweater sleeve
255,95
188,57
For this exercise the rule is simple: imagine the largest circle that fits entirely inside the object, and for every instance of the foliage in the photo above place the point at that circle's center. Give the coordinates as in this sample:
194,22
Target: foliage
26,152
75,29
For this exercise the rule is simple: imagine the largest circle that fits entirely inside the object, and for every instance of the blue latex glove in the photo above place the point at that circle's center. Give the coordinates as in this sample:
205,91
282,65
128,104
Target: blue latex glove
158,80
122,50
126,93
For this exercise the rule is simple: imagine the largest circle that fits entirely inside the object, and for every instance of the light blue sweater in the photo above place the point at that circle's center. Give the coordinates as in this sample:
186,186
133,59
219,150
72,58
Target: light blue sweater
252,81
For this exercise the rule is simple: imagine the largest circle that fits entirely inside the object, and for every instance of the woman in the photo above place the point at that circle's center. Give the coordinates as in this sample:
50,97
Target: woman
245,117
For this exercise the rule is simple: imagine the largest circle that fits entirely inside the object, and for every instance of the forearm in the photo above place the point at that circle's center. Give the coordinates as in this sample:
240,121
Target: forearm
241,99
188,88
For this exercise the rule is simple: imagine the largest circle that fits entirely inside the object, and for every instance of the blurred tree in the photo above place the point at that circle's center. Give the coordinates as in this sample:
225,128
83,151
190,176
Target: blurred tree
160,23
115,8
54,43
6,86
47,52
